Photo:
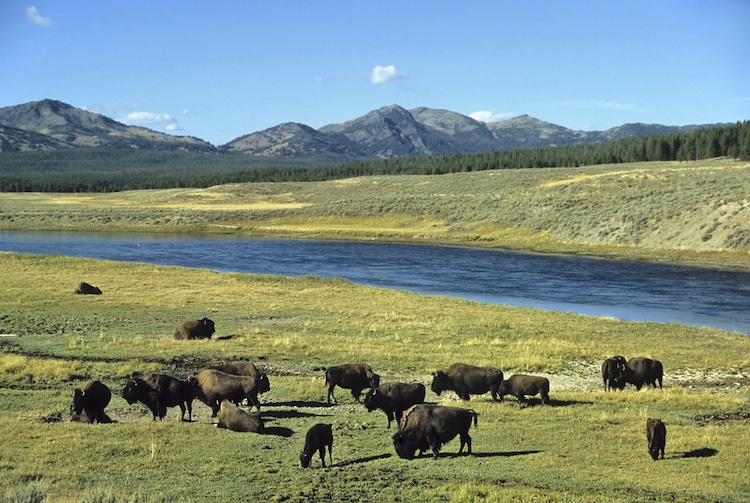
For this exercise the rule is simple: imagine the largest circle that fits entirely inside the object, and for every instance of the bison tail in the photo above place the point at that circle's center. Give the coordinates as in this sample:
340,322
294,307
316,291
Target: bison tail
475,415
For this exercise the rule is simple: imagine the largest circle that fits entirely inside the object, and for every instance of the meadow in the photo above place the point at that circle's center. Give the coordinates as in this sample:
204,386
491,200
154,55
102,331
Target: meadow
587,445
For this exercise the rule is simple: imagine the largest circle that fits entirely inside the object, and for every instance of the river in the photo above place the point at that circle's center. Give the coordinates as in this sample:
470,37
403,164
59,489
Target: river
628,290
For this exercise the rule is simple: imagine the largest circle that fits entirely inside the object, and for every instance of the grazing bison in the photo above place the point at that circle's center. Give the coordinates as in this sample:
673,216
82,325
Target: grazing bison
89,403
426,426
86,289
641,370
394,398
318,437
522,385
353,376
213,386
613,373
467,380
195,329
233,418
656,433
159,391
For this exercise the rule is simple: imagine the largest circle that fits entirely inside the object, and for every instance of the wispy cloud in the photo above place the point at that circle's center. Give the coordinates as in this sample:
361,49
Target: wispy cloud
33,14
384,74
487,116
611,105
151,120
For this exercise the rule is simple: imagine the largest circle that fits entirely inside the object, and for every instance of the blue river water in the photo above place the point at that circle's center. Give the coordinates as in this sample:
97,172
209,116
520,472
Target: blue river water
629,290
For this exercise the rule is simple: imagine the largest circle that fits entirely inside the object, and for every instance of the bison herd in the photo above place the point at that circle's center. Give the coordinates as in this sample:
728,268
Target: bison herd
421,426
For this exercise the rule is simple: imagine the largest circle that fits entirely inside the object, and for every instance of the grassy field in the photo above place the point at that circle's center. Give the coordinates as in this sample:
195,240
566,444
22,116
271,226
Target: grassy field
586,446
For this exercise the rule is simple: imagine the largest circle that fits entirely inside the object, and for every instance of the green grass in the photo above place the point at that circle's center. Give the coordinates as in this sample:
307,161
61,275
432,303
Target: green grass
586,446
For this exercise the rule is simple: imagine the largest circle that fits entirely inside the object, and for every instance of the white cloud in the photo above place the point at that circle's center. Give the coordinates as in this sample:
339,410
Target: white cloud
384,74
487,116
151,120
33,14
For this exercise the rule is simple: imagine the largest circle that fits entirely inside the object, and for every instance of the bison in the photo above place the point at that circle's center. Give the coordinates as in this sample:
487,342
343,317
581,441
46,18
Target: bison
522,385
656,433
641,370
233,418
214,386
89,403
394,398
87,289
467,380
159,391
613,373
318,437
242,368
353,376
430,426
195,329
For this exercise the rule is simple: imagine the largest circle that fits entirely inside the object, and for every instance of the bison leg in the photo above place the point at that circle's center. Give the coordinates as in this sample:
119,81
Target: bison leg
322,453
465,440
434,442
356,393
330,393
545,397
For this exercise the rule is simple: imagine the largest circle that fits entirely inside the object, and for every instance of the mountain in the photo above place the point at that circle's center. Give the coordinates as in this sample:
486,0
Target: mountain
50,124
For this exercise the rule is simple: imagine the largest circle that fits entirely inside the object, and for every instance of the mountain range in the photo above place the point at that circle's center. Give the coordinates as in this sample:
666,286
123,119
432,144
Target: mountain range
390,131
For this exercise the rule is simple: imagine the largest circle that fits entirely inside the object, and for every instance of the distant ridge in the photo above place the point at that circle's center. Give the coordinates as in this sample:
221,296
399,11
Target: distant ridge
390,131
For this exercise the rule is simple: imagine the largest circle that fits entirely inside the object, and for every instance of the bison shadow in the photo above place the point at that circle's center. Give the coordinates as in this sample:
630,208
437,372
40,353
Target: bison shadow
537,402
361,460
279,431
287,414
300,403
704,452
479,454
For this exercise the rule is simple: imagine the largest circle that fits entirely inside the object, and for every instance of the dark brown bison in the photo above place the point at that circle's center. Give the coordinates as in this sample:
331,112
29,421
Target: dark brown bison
430,426
656,433
641,370
195,329
242,368
467,380
613,373
233,418
522,385
318,437
394,398
87,289
353,376
159,391
213,386
89,403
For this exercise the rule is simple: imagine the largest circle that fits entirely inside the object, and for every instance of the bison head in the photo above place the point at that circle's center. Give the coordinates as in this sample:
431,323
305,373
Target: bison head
304,458
404,448
438,382
131,391
372,399
262,383
77,406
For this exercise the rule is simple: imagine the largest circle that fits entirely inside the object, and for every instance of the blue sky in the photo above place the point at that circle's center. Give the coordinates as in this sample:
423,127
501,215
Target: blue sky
220,70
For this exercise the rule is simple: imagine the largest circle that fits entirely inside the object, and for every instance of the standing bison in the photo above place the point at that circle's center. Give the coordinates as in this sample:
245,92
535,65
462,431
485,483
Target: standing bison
430,426
467,380
613,373
656,434
233,418
641,370
318,437
522,385
214,386
353,376
159,391
394,398
242,368
89,403
195,329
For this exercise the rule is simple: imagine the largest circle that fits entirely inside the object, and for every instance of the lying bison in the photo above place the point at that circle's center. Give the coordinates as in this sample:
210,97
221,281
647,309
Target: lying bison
394,398
656,434
641,370
353,376
430,426
214,386
89,403
613,373
233,418
522,385
87,289
467,380
195,329
159,391
318,437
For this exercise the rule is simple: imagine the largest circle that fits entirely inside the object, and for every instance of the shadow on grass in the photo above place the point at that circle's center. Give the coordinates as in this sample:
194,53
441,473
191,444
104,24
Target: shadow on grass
279,431
537,402
286,414
361,460
703,452
300,403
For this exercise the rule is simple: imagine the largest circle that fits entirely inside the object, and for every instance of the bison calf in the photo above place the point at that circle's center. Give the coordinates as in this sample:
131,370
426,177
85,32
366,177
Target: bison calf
656,433
318,437
522,385
426,426
394,398
89,403
353,376
195,329
467,380
233,418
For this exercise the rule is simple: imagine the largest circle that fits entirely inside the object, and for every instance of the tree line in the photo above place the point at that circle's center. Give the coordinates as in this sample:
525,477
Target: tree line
96,170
